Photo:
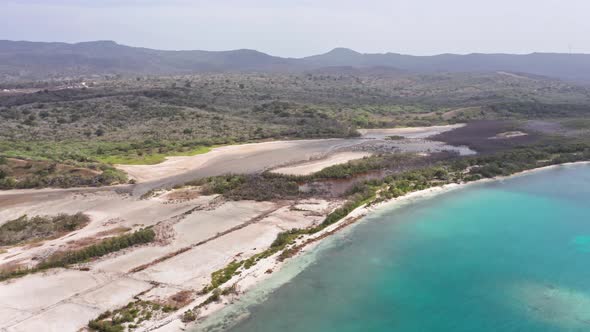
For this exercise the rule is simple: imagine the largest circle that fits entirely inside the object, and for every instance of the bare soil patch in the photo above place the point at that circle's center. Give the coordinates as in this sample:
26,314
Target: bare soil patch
182,195
180,299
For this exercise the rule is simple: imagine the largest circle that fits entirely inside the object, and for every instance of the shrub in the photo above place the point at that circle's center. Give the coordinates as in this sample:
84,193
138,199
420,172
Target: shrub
107,246
144,235
251,187
40,227
188,316
284,238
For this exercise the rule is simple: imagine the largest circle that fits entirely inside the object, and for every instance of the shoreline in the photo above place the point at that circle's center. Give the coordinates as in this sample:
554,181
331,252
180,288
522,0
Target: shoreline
433,191
111,283
258,274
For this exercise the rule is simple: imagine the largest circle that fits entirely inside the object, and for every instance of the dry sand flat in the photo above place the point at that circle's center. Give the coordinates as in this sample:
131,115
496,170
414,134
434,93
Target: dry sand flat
193,228
258,157
113,294
217,234
193,268
313,166
64,317
47,289
245,158
408,132
242,158
202,225
108,211
74,311
47,301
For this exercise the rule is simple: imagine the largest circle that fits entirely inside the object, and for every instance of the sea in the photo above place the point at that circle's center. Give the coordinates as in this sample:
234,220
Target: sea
506,255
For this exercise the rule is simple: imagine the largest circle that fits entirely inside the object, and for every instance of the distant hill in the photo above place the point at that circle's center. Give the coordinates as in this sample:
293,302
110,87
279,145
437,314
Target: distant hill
573,67
35,60
21,60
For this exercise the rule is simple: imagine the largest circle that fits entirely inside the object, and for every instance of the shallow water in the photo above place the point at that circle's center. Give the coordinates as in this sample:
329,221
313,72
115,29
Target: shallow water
511,255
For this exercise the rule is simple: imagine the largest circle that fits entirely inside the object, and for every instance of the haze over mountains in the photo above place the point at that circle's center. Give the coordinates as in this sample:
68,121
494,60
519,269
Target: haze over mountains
21,60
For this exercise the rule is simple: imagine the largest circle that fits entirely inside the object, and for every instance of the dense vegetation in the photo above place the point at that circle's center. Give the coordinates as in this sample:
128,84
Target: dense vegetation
145,116
67,258
25,229
389,161
24,174
271,186
142,120
250,187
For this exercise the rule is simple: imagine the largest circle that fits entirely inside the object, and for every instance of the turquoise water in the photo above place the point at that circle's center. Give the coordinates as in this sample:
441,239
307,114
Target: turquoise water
512,255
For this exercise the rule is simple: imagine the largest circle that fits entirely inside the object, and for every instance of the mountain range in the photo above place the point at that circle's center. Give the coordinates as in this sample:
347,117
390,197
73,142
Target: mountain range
22,60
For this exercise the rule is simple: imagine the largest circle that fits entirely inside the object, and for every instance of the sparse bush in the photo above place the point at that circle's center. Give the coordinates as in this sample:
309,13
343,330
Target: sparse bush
40,227
132,314
107,246
188,316
251,187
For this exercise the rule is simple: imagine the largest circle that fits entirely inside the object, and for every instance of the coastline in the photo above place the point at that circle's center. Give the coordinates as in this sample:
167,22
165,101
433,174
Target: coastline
259,273
236,231
113,282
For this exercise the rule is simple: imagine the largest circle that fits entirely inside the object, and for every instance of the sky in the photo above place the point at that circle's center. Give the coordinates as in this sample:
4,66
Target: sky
296,28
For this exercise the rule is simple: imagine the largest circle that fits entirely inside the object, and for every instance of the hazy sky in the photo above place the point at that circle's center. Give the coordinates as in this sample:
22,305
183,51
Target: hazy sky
305,27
